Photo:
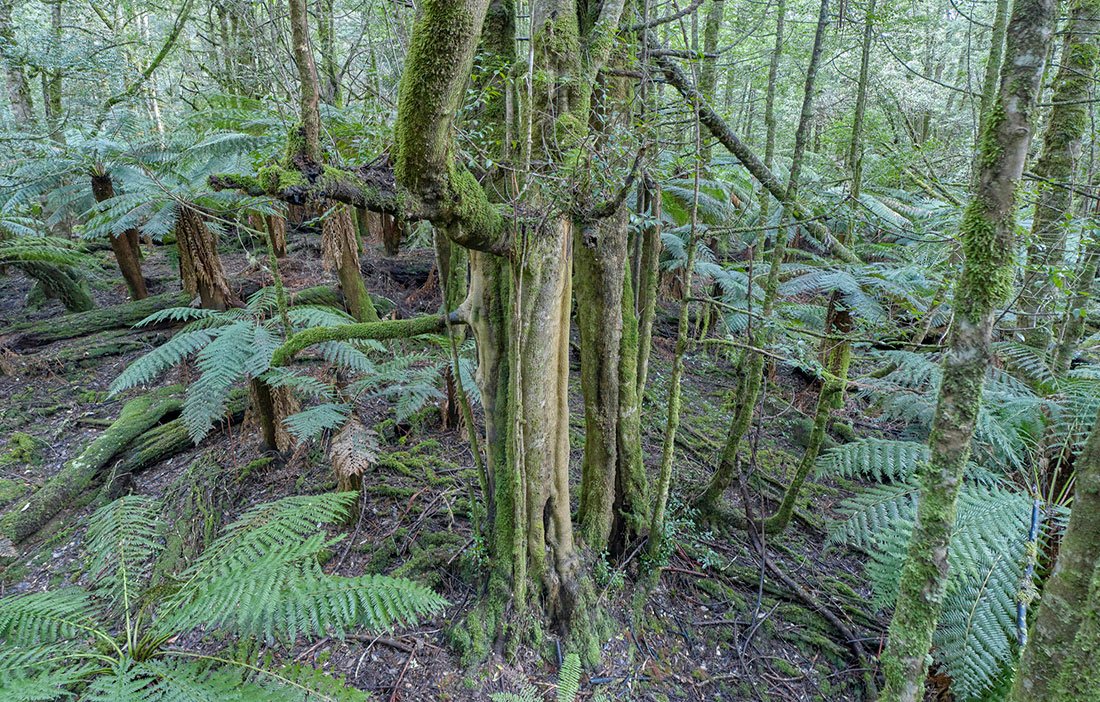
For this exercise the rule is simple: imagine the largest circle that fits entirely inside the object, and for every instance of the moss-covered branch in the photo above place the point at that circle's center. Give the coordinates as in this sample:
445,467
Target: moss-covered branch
378,331
752,163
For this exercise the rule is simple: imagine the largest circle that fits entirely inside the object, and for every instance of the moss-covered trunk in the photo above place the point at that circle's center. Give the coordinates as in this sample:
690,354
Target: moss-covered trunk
613,508
647,279
60,283
1055,171
751,378
1047,671
987,238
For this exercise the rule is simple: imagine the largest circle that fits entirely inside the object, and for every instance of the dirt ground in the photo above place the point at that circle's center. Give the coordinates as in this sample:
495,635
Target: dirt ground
720,624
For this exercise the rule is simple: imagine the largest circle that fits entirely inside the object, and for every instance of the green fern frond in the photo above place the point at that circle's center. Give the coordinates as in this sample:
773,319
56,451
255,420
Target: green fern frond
1033,363
175,315
877,459
44,249
976,635
123,537
569,678
169,354
527,694
45,617
222,363
263,578
312,422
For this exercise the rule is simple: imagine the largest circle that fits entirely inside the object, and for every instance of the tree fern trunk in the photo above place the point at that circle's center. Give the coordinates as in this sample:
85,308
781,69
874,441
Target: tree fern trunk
123,245
200,266
340,249
987,235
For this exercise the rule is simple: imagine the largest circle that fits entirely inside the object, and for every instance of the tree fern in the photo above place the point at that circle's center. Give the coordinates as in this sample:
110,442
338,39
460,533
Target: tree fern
122,540
975,641
312,422
261,577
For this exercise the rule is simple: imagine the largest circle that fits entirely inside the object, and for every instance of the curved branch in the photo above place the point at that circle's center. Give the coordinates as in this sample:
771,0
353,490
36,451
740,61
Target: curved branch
378,331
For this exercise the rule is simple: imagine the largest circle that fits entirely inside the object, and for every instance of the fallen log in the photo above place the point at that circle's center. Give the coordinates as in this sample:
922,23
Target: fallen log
80,473
32,334
162,442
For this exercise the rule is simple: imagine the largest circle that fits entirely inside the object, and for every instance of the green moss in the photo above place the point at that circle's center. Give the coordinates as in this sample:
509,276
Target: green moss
987,273
22,449
379,331
274,178
10,490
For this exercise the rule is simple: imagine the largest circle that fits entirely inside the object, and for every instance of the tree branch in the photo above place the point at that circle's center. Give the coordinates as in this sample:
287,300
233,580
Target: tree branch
752,163
378,331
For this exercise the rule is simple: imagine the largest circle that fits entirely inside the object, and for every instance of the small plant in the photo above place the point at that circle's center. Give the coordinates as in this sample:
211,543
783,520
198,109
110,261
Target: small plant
123,640
569,684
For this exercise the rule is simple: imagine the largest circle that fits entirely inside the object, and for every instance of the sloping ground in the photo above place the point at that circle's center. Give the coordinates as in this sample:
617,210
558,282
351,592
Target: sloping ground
723,624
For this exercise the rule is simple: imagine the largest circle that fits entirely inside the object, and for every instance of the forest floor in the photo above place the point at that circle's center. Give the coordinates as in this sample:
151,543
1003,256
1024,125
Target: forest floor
720,625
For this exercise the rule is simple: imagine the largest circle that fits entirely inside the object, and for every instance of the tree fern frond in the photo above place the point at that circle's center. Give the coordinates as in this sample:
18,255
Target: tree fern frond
125,682
262,578
171,353
45,617
176,315
314,421
123,537
222,363
1033,363
877,459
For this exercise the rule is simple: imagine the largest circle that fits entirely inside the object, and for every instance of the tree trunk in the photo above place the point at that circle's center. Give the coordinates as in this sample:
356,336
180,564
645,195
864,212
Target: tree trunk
835,352
648,279
276,233
308,84
992,82
124,245
200,266
1046,670
61,283
19,91
708,75
748,390
613,482
340,249
987,235
1055,171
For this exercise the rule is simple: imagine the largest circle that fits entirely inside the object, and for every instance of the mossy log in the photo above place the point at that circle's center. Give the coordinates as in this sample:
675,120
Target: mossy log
60,283
32,334
162,442
80,473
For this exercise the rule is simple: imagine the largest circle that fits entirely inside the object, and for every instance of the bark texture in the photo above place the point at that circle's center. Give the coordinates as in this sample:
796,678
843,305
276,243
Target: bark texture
1047,670
986,280
1056,170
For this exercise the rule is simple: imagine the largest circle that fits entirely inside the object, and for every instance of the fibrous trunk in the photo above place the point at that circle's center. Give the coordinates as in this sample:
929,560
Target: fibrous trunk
200,266
123,245
340,249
